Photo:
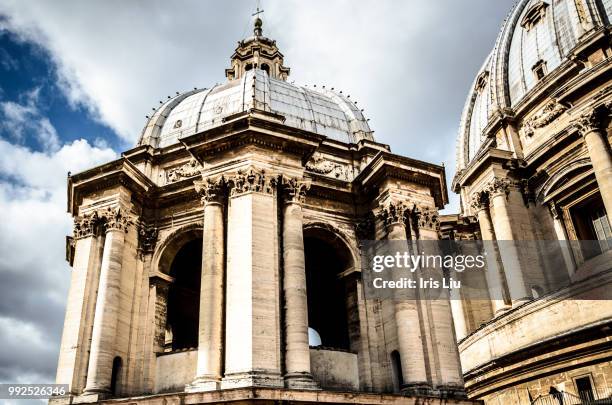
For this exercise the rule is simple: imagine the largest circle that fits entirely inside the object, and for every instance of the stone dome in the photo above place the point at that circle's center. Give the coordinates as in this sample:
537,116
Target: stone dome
315,109
537,39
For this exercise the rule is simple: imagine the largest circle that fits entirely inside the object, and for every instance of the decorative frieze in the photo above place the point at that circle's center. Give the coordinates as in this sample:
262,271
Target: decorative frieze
189,169
252,181
549,113
294,189
211,189
86,225
321,165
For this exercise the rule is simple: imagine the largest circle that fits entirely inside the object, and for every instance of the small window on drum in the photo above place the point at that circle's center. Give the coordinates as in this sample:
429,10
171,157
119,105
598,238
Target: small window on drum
248,67
539,70
265,68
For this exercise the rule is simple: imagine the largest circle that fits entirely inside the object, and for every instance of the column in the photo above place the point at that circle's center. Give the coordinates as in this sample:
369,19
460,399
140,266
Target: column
297,349
561,233
409,334
591,128
210,333
253,307
443,358
494,275
74,348
107,304
499,190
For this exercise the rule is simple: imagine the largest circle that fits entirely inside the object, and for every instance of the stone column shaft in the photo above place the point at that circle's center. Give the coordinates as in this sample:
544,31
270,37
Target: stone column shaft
210,330
297,350
597,144
106,314
502,225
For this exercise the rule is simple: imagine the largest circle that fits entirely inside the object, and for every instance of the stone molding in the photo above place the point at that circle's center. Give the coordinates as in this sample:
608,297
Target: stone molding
211,189
252,181
294,189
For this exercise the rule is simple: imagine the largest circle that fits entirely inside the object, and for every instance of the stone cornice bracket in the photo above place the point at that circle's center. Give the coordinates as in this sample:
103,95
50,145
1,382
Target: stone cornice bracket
394,213
252,181
592,120
499,186
479,201
294,189
147,238
116,219
86,225
211,189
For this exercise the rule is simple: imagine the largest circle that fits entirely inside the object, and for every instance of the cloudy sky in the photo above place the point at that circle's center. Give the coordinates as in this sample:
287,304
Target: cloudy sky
77,79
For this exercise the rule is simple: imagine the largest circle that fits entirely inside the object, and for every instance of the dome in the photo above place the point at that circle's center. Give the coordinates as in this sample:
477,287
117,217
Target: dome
317,110
537,38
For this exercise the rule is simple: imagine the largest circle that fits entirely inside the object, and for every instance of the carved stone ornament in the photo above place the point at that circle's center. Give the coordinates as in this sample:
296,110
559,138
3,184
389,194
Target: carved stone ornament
499,186
147,238
189,169
365,227
548,114
116,219
480,200
252,181
427,218
294,190
592,120
394,213
318,164
86,225
211,189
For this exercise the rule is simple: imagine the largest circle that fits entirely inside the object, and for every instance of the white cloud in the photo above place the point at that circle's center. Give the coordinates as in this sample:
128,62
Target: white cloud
34,277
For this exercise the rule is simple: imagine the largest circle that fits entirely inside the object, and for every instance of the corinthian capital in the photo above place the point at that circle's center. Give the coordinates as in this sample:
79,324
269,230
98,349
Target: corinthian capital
252,181
480,200
499,186
426,218
394,213
211,189
294,189
86,225
592,120
116,219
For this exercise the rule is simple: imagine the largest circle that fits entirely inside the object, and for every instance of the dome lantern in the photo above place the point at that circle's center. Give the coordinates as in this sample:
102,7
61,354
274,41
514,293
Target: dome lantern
257,52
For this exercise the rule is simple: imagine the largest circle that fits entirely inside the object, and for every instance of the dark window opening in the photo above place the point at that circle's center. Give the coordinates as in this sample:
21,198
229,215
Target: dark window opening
248,67
327,305
184,296
584,388
115,374
265,67
396,368
539,70
591,223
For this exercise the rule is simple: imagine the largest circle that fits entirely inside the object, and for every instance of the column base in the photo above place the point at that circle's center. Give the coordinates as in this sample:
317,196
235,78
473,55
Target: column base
301,381
417,388
252,379
90,397
204,383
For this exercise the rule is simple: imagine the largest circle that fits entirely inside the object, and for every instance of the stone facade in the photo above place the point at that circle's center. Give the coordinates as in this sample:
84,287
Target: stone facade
151,320
534,164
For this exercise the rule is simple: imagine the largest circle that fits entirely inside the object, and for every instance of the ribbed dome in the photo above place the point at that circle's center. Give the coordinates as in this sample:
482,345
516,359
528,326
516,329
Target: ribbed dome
318,110
537,38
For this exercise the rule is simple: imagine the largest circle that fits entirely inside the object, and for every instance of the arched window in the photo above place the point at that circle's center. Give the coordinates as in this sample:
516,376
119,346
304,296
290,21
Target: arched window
248,67
184,296
396,369
330,307
265,67
115,375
